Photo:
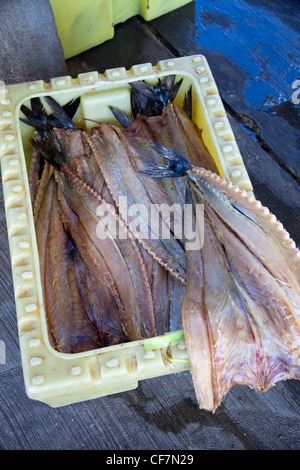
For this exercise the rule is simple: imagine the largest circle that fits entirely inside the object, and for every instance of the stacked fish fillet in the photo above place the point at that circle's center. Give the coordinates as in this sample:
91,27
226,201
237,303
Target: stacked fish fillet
108,280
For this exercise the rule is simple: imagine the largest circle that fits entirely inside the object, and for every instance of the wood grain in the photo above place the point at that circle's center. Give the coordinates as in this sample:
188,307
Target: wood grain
253,50
162,414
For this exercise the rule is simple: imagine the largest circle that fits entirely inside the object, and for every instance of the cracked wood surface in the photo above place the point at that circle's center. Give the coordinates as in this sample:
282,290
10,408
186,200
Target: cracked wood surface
252,50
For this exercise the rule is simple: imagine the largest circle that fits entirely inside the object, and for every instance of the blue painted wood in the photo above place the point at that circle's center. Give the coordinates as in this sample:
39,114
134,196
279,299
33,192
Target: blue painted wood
253,48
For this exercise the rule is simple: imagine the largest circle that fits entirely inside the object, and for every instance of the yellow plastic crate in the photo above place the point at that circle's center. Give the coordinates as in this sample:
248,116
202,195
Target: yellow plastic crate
85,24
50,376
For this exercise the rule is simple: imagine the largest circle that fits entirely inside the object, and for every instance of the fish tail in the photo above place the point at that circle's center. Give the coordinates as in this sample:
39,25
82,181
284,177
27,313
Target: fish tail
60,113
71,107
61,116
50,149
187,103
150,100
124,119
177,165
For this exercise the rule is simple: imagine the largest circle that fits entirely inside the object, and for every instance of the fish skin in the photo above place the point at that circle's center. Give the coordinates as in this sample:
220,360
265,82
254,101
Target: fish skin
41,231
38,196
95,282
79,155
159,280
197,152
66,316
176,294
176,131
80,158
275,246
33,175
139,137
196,327
123,180
241,310
122,255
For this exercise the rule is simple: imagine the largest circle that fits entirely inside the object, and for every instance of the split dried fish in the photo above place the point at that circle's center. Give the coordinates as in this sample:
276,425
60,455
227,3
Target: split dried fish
236,297
241,309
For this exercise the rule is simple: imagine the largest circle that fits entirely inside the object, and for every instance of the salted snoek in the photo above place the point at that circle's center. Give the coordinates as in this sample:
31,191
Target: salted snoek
240,311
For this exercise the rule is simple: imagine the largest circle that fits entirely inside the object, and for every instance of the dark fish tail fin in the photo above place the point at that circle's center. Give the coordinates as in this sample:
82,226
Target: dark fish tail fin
71,107
176,166
187,103
124,119
150,100
62,117
50,149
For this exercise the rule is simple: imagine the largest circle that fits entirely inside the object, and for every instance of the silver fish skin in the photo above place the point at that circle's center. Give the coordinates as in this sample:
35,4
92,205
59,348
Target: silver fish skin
241,309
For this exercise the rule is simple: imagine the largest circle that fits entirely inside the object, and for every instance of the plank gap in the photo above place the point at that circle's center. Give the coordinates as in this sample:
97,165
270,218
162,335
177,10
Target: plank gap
250,124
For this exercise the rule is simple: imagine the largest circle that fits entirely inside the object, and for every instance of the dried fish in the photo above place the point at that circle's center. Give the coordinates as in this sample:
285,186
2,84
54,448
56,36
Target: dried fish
118,166
241,306
116,278
69,329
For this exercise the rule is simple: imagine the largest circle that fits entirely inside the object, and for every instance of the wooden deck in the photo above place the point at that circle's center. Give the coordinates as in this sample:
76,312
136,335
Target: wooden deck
253,49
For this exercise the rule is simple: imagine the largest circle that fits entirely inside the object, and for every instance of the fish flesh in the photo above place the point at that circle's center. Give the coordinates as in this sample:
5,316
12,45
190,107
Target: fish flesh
133,199
241,308
236,294
68,329
121,254
121,291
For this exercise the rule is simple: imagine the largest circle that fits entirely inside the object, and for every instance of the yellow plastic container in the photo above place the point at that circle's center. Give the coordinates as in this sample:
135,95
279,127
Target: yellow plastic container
85,24
57,378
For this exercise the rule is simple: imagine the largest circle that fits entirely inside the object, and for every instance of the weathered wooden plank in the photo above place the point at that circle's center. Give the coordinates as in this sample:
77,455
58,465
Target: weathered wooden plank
253,50
162,414
145,419
275,188
8,320
30,46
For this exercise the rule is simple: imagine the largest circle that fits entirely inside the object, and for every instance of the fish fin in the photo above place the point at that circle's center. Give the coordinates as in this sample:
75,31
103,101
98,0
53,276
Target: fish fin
50,148
26,111
71,107
150,100
144,88
166,153
174,91
63,119
38,118
137,104
36,123
37,107
37,110
168,89
124,119
177,165
187,103
144,100
160,172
